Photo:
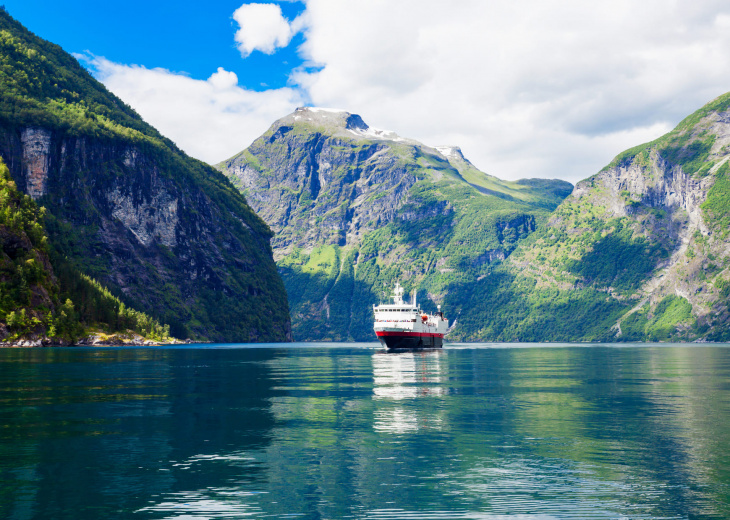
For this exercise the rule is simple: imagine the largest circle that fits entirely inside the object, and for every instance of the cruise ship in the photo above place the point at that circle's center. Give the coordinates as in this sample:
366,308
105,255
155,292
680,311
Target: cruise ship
401,325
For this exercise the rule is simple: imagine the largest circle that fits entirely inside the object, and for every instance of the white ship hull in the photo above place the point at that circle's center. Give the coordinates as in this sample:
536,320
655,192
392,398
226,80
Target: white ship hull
402,325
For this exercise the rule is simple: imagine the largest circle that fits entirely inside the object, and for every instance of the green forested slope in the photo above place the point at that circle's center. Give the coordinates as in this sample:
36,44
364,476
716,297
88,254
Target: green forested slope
167,234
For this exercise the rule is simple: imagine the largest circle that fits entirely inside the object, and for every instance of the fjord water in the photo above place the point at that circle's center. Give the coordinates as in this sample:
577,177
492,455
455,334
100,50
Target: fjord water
323,431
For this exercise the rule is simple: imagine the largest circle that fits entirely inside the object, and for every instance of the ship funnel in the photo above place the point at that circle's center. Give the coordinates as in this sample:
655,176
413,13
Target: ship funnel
415,293
398,294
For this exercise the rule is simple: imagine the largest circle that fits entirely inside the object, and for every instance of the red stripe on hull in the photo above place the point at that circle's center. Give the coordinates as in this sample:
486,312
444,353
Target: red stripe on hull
408,334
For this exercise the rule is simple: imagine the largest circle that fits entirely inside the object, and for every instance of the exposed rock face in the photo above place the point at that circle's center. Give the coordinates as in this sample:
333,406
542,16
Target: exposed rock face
346,205
36,144
650,232
150,233
152,220
662,186
521,225
318,188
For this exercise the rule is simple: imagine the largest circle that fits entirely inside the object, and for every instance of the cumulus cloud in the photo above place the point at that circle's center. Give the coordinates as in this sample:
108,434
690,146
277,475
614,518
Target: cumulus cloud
551,88
548,88
210,119
223,79
262,28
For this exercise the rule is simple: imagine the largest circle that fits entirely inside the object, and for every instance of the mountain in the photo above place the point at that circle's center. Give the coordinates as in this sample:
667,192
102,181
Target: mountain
639,251
355,208
167,234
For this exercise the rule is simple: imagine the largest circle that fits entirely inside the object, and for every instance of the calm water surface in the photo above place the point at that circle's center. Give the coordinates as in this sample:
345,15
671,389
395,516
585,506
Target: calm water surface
326,431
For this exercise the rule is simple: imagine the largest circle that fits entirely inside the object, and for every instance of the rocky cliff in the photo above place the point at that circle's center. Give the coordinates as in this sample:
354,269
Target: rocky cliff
314,187
355,208
165,232
37,304
639,251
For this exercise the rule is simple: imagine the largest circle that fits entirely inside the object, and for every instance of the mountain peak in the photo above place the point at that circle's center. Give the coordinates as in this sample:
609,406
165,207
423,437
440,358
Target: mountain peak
332,117
340,122
321,115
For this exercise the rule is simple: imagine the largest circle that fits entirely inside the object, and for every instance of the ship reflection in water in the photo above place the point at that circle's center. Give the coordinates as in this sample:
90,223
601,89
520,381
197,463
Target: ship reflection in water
402,376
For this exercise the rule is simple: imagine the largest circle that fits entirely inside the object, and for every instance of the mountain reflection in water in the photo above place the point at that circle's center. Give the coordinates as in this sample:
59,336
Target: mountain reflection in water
349,431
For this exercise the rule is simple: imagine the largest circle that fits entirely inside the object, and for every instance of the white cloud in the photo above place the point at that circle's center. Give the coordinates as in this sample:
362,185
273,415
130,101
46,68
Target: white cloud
223,79
211,120
551,88
263,28
548,88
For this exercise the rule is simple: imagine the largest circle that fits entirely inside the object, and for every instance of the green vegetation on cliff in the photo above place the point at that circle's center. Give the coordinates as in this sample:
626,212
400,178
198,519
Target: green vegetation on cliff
670,316
716,207
639,252
27,285
559,285
38,288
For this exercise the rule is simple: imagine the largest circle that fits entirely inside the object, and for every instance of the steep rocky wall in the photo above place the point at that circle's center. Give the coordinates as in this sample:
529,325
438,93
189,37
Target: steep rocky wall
36,144
631,188
659,185
639,241
331,192
129,219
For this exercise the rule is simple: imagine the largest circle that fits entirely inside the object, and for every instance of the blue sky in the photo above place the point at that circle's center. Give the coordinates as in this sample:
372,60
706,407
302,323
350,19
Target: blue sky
527,88
185,36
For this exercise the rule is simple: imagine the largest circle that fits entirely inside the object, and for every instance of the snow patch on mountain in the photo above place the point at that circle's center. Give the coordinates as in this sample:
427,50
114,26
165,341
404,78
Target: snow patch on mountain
450,152
342,122
324,109
376,133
